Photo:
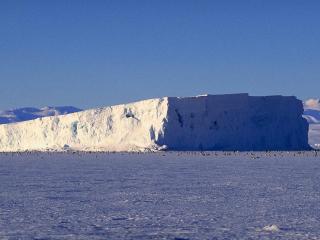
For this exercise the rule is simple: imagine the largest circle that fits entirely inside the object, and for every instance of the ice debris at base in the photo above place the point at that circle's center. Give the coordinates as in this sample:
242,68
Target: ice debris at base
271,228
208,122
312,114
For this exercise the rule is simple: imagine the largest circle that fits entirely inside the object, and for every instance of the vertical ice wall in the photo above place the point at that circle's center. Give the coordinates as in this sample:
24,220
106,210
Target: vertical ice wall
236,122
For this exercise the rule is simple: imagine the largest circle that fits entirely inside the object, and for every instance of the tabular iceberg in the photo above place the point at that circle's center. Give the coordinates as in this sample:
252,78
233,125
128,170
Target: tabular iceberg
207,122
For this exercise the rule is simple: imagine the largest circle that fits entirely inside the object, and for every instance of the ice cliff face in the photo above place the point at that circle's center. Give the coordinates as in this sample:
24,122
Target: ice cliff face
210,122
236,122
129,127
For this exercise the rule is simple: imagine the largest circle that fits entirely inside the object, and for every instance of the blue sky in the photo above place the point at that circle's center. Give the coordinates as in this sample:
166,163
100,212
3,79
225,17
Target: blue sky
96,53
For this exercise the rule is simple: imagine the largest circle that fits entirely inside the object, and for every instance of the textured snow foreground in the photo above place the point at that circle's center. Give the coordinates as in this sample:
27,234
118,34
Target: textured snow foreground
166,195
209,122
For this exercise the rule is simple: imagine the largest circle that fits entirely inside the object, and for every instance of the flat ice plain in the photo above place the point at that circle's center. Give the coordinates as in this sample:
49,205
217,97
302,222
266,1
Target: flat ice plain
165,195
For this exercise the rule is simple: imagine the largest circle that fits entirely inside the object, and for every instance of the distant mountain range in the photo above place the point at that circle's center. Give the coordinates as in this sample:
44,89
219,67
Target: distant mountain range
312,111
29,113
312,114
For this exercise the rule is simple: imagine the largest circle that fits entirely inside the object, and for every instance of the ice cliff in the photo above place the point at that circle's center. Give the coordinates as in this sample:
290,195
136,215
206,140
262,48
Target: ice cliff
208,122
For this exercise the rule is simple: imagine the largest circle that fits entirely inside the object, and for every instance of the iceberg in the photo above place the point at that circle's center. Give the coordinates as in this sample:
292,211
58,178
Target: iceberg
227,122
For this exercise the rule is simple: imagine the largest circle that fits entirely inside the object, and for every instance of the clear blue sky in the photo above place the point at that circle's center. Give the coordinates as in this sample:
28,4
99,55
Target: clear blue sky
96,53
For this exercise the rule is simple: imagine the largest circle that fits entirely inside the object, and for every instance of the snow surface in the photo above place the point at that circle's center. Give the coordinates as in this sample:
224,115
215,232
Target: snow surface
30,113
166,195
208,122
312,114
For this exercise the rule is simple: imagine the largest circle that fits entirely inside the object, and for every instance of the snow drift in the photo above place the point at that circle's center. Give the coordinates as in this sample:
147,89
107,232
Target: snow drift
208,122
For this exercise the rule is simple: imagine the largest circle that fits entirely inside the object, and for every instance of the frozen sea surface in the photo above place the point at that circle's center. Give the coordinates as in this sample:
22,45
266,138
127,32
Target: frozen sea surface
169,195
